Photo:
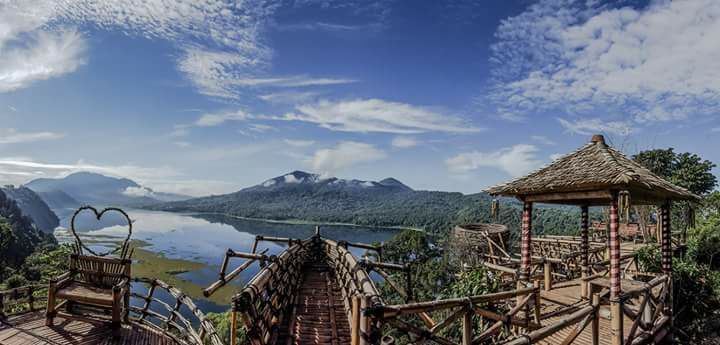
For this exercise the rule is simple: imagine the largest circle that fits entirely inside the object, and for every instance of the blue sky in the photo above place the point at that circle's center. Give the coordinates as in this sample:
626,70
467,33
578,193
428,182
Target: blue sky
208,97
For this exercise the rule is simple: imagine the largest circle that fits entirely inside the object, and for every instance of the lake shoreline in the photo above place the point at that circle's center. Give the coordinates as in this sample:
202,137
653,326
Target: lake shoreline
303,222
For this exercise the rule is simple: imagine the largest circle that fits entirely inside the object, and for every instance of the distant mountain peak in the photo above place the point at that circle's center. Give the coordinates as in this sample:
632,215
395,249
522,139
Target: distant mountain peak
302,178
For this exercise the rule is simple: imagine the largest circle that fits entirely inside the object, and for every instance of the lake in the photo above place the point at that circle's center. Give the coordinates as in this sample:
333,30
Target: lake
186,250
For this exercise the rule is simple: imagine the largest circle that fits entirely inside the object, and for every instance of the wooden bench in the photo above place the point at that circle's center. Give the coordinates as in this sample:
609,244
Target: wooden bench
95,281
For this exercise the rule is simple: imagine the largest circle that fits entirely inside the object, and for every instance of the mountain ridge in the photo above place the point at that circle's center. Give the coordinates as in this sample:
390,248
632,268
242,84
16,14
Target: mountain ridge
33,206
299,195
93,188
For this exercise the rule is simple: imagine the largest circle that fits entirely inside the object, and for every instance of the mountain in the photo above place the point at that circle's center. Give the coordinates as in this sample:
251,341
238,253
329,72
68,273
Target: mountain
97,189
304,196
58,200
18,234
33,206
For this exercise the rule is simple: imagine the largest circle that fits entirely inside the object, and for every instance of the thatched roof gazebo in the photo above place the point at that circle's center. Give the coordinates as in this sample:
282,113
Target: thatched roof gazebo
597,175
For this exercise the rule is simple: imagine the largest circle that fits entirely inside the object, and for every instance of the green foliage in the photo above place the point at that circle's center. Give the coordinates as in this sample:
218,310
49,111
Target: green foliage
20,237
223,324
47,262
14,281
683,169
649,258
704,242
474,282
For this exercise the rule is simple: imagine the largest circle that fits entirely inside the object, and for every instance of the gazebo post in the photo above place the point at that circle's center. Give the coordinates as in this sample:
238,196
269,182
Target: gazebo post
584,248
525,238
616,314
666,259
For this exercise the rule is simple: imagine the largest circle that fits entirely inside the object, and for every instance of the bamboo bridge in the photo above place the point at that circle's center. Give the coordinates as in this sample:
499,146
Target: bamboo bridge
559,290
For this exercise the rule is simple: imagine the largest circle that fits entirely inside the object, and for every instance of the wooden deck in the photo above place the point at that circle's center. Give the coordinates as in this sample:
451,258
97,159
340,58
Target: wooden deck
30,329
561,301
319,315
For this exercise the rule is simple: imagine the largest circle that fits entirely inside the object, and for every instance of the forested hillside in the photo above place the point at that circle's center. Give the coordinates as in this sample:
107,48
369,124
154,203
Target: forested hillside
33,206
304,196
18,236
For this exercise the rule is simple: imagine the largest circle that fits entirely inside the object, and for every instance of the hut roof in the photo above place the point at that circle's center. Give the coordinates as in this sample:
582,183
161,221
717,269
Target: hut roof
589,175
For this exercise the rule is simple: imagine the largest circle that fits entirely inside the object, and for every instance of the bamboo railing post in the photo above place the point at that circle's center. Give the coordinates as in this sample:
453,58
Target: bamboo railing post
233,326
364,320
547,270
596,319
355,327
537,303
525,238
666,261
467,327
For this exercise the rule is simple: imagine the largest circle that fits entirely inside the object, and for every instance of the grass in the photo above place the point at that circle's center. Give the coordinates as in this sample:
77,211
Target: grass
148,264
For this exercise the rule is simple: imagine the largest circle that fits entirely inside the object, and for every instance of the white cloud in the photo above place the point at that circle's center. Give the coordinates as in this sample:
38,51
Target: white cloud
224,74
404,142
658,63
12,136
138,192
516,160
299,143
715,130
595,126
215,119
543,140
289,97
41,56
344,155
376,115
182,144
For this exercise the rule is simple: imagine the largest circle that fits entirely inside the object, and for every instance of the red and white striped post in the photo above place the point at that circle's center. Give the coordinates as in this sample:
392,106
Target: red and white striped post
616,315
525,238
666,259
584,248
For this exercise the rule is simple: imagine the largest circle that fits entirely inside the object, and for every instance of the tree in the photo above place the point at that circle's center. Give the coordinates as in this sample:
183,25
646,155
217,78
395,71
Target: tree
686,169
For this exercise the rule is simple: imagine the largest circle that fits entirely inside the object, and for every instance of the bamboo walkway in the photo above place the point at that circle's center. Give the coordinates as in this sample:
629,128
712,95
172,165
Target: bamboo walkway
319,315
29,328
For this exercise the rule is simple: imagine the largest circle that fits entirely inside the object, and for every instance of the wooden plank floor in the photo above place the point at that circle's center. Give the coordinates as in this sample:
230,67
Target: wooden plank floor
29,328
319,315
563,300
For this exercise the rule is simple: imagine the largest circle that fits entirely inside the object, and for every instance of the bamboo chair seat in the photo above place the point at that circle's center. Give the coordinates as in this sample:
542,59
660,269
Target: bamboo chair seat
97,281
81,292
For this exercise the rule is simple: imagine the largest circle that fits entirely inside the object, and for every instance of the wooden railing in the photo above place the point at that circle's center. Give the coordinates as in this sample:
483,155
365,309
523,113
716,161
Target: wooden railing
358,290
484,318
23,299
169,319
267,297
649,308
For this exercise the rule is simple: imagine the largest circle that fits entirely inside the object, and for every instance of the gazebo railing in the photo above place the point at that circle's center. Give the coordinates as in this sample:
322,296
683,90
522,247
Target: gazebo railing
649,310
500,316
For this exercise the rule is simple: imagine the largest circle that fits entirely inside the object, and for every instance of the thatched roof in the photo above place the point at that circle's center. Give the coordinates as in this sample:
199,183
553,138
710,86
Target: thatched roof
588,174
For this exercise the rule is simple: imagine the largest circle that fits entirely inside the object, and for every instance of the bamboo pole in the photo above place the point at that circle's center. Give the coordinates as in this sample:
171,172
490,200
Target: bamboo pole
355,331
467,327
584,248
233,327
547,270
596,320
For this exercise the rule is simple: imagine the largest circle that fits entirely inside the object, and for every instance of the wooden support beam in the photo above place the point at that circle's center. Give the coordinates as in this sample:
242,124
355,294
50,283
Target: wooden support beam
570,196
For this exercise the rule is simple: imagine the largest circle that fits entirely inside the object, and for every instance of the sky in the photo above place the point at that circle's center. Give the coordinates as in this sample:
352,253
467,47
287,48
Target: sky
207,97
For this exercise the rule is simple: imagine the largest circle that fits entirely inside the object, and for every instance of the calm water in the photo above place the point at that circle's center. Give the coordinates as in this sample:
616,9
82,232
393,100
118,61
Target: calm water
204,238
